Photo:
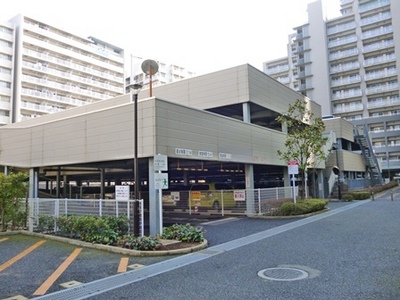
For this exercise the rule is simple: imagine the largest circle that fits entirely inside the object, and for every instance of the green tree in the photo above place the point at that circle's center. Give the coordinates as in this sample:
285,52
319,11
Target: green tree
305,139
13,188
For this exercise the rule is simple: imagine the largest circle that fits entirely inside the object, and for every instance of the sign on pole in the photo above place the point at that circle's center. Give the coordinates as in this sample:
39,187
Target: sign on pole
122,192
160,162
293,166
161,181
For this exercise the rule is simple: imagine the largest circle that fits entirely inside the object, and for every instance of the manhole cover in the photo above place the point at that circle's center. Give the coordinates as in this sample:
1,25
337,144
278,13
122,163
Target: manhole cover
283,274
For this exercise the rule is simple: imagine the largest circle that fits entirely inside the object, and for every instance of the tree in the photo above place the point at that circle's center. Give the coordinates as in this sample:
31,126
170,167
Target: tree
13,188
305,140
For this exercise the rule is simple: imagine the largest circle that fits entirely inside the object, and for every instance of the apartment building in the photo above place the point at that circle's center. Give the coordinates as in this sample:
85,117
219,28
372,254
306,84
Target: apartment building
166,73
6,70
45,69
350,66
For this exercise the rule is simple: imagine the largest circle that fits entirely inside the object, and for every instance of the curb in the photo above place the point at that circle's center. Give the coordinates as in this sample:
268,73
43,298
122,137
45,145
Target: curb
112,249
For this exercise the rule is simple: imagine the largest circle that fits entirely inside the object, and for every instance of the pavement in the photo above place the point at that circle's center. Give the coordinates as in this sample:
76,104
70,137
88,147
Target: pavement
351,251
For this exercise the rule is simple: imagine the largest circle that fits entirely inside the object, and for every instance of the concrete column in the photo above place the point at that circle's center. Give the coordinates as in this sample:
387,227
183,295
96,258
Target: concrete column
249,181
155,207
246,113
33,183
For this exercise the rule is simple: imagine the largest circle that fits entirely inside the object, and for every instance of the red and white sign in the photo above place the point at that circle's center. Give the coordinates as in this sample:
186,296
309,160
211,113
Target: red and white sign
293,166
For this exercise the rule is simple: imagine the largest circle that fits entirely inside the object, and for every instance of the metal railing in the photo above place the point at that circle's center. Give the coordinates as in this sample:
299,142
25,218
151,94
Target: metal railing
96,207
246,202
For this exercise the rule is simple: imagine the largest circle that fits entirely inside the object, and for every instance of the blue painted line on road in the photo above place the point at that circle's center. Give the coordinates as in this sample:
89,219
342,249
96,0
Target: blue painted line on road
100,286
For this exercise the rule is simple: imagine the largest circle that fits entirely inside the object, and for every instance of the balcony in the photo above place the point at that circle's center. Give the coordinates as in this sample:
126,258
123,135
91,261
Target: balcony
378,46
342,41
70,77
345,67
346,80
382,88
347,108
375,18
343,54
277,69
52,97
381,74
380,59
71,65
341,27
346,94
383,102
376,32
370,6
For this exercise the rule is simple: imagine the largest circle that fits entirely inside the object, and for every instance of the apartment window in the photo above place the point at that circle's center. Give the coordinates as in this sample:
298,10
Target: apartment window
4,84
5,56
6,30
5,71
5,44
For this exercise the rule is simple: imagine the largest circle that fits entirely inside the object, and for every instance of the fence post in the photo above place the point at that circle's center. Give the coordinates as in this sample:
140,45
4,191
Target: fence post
100,208
222,202
259,201
277,193
31,213
116,207
141,217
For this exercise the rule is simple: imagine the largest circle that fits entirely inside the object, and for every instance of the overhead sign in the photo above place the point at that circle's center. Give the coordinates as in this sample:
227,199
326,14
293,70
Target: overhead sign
293,166
122,192
160,163
161,181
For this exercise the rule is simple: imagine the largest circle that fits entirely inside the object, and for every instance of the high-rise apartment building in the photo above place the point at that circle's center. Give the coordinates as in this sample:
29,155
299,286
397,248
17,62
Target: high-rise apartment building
350,66
46,69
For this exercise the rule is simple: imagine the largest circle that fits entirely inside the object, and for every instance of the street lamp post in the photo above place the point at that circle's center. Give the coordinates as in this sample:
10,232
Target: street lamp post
135,88
336,170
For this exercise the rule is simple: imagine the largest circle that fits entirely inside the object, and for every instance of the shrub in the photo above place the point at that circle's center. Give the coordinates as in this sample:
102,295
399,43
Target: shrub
361,195
118,224
302,207
142,243
45,223
348,197
184,233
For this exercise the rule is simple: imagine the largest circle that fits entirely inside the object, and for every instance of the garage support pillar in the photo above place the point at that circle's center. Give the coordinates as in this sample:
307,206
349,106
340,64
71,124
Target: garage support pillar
155,207
250,203
33,183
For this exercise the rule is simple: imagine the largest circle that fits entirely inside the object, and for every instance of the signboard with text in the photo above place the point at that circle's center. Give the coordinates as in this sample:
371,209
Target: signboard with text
293,166
122,192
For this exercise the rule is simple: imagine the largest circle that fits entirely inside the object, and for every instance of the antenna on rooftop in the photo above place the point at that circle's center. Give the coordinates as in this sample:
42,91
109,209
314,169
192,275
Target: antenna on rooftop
150,67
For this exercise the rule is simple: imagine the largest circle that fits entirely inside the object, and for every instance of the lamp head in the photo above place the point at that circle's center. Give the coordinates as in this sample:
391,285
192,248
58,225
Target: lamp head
135,87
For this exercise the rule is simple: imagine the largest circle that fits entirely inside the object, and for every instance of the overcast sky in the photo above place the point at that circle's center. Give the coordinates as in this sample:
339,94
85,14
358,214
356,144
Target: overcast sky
202,36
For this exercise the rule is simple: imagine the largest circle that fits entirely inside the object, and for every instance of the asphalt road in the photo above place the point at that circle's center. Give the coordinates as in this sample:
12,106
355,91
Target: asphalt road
350,252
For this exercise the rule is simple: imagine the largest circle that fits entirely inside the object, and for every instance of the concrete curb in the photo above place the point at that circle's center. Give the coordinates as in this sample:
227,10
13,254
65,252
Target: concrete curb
112,249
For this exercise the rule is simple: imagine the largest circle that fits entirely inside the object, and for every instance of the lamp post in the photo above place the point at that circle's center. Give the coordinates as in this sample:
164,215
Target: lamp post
135,88
336,169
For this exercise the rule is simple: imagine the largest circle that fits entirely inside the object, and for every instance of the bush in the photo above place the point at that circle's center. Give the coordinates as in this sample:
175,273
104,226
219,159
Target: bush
119,224
348,197
94,229
302,207
45,223
360,195
183,233
142,243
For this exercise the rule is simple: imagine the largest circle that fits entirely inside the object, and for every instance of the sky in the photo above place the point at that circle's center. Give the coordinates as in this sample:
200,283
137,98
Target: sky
201,36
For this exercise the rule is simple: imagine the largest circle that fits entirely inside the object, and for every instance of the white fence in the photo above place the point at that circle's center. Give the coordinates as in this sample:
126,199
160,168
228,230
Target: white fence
228,202
97,207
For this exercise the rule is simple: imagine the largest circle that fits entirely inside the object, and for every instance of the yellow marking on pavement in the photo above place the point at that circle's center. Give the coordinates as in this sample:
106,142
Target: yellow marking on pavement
57,273
123,265
4,239
21,255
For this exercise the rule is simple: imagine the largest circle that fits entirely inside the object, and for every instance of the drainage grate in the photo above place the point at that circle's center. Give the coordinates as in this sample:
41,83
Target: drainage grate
283,274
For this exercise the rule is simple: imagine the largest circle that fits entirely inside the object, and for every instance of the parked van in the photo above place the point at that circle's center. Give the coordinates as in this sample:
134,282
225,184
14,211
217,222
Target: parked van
213,195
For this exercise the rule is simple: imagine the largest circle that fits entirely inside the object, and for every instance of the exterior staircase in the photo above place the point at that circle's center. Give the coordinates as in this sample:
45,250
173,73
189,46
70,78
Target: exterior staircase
371,163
